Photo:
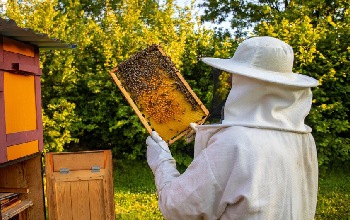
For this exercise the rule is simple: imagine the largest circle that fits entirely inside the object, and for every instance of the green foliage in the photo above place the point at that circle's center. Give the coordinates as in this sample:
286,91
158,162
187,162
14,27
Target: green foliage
82,107
58,119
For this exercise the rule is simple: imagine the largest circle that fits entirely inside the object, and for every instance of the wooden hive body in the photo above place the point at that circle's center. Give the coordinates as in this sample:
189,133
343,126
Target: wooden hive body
159,94
80,185
20,100
21,138
21,128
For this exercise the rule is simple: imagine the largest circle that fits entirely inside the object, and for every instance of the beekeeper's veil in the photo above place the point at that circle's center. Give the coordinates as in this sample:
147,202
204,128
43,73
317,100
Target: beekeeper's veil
265,92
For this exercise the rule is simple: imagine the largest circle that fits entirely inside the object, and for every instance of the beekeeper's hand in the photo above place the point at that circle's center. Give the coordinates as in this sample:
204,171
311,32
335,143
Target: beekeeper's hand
157,151
194,126
192,134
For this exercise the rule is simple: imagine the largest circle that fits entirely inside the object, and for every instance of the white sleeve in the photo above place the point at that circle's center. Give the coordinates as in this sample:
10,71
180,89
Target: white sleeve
195,194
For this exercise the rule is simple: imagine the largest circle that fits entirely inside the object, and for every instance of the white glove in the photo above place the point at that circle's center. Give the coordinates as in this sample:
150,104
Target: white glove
191,135
160,161
194,126
157,151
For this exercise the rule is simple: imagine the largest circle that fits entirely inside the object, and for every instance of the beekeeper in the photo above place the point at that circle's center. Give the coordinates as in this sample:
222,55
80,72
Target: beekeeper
260,162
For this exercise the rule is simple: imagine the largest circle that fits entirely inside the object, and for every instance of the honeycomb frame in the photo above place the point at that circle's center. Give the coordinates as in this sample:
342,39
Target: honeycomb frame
158,93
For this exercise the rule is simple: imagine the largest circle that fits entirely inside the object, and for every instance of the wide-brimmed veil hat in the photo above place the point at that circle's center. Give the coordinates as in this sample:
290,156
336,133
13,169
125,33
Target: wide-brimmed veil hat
264,58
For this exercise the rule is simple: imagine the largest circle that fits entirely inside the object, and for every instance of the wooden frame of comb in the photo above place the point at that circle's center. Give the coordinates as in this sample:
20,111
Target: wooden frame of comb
159,94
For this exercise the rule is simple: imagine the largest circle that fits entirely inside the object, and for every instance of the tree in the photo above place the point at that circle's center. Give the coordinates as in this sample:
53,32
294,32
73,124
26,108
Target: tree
243,14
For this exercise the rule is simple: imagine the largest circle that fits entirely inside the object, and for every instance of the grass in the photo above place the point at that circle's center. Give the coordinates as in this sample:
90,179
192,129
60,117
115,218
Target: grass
135,193
334,195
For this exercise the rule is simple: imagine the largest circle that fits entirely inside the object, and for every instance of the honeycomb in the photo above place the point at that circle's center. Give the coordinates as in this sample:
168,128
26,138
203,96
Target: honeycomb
159,94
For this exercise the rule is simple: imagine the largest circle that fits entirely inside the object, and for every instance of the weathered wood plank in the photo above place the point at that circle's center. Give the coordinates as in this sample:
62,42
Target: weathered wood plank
63,201
50,192
15,190
16,209
108,187
78,175
80,200
26,175
78,161
96,198
34,179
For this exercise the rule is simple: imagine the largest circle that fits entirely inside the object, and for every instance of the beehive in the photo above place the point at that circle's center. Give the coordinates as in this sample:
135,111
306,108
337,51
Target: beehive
159,94
21,128
20,110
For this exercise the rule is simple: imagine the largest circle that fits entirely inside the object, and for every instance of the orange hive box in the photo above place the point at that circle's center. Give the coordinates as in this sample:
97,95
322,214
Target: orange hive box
159,94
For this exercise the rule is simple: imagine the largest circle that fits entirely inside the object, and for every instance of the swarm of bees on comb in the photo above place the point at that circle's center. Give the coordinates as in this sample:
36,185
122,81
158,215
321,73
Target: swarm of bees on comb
159,94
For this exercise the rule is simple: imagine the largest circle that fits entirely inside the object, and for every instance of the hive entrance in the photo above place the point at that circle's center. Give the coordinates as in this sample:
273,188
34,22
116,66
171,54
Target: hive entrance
158,93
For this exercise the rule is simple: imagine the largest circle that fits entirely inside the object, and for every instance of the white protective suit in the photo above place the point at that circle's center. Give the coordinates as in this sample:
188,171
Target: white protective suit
260,163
